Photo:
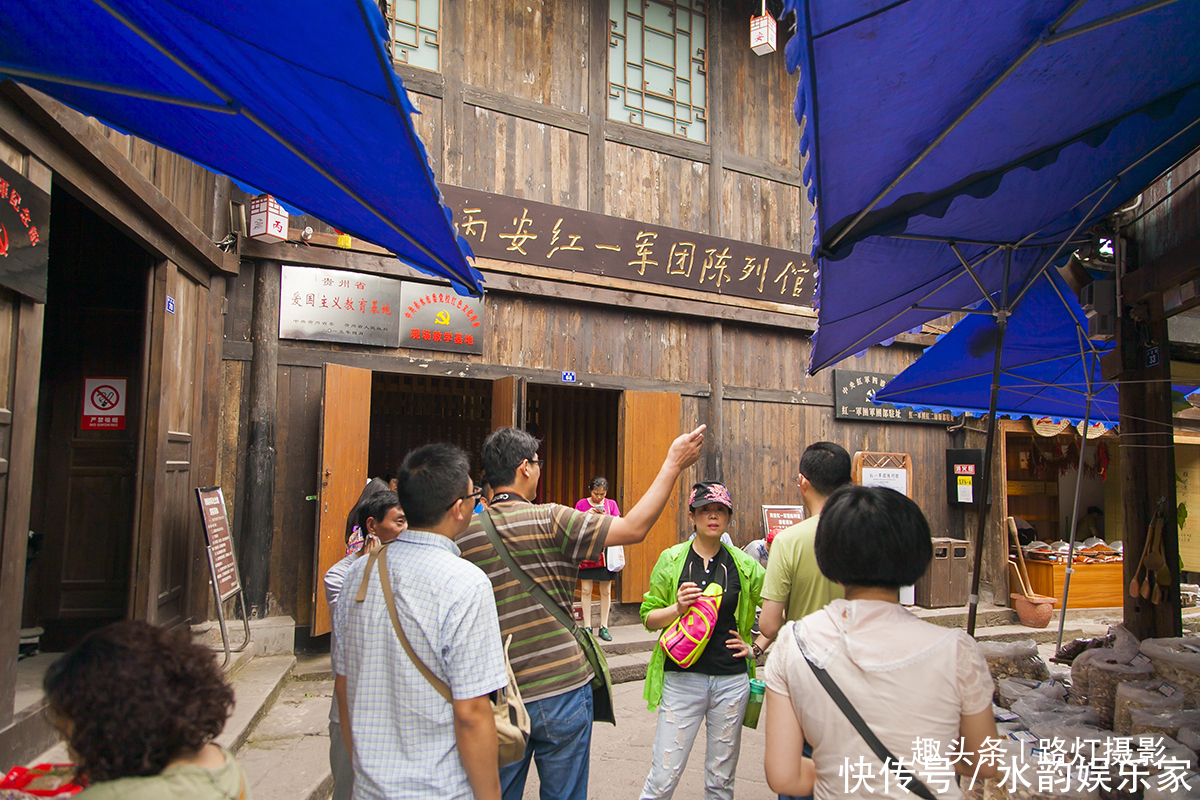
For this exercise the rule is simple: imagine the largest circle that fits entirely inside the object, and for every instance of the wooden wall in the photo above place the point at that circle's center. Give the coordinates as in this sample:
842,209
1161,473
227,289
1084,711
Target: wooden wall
189,186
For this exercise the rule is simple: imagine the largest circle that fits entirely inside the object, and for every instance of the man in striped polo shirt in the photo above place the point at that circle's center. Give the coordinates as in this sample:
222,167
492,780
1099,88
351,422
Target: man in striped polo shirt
548,542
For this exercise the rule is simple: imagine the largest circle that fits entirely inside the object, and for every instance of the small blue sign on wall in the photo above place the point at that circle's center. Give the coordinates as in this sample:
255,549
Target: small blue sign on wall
170,304
568,377
1152,357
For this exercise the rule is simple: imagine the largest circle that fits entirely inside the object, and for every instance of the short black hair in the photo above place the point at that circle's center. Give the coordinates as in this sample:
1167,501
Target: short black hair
598,482
826,466
377,506
373,487
504,451
430,480
870,536
136,698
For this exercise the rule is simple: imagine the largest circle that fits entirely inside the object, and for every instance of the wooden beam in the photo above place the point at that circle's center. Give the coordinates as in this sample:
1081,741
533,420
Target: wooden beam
1179,264
1148,481
716,402
80,139
525,109
421,81
259,519
757,168
598,36
646,139
14,536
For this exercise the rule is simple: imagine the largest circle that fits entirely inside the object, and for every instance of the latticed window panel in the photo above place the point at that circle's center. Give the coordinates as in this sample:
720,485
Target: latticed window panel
657,65
415,32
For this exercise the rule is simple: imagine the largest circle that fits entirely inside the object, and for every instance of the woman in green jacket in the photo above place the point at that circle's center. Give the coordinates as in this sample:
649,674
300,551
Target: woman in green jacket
716,687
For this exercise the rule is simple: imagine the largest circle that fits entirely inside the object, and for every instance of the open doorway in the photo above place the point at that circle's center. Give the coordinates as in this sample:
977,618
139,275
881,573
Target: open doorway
408,411
82,512
578,429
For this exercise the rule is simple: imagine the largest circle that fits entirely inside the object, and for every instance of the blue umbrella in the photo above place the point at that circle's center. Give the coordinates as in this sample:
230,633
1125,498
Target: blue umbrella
957,150
296,98
1048,367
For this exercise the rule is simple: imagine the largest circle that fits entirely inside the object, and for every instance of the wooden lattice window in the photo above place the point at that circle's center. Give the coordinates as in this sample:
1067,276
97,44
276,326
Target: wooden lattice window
657,64
415,29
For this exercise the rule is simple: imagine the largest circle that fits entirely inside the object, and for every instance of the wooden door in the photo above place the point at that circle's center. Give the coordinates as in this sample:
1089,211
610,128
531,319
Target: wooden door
508,402
649,422
345,440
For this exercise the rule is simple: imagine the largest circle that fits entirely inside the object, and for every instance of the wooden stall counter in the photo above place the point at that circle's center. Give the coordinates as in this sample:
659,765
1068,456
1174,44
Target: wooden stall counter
1092,585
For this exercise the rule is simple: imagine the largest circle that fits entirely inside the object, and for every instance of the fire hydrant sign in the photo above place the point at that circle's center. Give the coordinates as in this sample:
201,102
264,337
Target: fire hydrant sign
103,404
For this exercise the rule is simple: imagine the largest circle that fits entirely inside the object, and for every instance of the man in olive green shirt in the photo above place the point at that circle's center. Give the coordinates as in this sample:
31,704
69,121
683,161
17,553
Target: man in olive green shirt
794,586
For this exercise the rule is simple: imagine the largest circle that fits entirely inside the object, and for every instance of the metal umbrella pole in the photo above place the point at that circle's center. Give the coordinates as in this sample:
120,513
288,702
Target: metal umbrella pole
1070,568
981,499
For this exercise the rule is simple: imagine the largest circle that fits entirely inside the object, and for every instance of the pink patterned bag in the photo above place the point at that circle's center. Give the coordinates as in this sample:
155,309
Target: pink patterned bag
684,639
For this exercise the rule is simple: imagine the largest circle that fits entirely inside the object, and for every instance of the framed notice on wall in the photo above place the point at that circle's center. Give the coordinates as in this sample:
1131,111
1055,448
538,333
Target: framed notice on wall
887,470
780,518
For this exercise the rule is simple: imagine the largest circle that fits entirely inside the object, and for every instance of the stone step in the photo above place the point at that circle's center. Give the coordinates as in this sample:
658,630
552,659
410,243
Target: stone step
286,755
255,687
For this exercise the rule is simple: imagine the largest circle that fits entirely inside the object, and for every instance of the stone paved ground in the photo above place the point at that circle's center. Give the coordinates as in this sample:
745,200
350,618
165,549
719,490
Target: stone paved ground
621,756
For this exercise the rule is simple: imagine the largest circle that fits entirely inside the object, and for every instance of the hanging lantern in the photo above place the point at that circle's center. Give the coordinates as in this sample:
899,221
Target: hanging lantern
268,220
762,33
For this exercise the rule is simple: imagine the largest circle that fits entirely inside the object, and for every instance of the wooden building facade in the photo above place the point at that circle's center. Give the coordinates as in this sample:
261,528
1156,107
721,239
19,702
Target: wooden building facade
520,104
645,114
100,524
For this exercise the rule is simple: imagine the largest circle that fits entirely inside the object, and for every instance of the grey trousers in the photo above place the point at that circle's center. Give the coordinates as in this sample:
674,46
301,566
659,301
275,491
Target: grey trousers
340,764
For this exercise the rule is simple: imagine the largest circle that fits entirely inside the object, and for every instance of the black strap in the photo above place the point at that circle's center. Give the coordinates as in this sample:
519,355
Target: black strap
508,497
879,748
527,583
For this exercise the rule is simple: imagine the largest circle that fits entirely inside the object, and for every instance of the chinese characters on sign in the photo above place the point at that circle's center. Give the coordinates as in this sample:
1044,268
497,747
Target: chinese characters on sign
354,308
512,229
103,404
220,542
331,306
779,518
24,235
435,318
1024,763
852,393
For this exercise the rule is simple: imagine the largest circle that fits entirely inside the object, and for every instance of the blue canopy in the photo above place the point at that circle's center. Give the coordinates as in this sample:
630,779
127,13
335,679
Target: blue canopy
1047,366
939,133
296,98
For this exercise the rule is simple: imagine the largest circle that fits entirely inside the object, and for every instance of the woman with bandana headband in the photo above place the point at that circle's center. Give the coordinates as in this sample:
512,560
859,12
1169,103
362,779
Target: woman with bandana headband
716,687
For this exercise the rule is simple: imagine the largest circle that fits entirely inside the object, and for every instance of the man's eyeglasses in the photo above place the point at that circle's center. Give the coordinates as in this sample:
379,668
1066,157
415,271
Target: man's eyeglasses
473,496
538,461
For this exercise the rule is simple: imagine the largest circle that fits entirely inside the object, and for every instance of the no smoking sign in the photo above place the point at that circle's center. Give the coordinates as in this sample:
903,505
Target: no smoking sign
103,404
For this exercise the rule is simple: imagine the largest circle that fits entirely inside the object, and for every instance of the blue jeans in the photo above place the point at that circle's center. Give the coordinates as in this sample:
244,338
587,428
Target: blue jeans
687,700
560,741
807,753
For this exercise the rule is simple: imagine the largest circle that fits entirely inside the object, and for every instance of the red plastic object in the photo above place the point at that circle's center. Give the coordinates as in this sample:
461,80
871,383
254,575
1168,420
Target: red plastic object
20,778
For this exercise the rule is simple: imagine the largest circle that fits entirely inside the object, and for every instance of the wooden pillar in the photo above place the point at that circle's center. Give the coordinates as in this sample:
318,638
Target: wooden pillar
599,31
714,464
14,536
258,520
1148,466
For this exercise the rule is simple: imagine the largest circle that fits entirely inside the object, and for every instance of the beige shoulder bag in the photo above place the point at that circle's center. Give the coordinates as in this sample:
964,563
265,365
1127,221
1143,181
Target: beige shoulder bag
512,720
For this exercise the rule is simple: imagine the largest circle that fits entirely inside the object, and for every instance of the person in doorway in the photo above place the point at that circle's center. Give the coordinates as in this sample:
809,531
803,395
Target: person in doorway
139,707
794,586
910,681
548,542
604,571
406,739
715,688
358,544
